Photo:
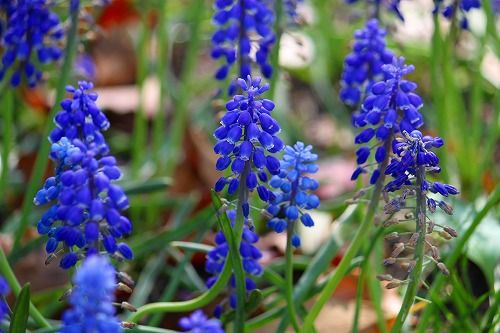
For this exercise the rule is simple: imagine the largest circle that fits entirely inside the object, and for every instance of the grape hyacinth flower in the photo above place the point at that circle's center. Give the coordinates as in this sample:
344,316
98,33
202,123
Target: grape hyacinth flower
392,107
32,36
290,7
241,25
412,151
293,195
464,6
92,299
389,5
249,253
363,66
4,291
413,159
246,133
80,118
198,322
86,217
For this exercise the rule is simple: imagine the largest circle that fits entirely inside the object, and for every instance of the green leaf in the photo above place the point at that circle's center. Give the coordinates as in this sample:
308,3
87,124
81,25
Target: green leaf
21,311
483,247
152,185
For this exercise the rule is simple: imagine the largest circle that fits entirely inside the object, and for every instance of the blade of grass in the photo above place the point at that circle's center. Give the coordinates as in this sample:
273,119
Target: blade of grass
181,99
8,137
11,279
139,135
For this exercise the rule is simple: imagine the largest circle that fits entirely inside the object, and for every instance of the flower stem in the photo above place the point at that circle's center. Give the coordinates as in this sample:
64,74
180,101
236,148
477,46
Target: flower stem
43,151
289,278
234,253
278,29
359,238
437,286
412,288
190,305
8,123
7,272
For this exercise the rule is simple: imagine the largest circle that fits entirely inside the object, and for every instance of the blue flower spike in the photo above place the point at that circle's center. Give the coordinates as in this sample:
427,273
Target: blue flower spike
389,5
4,291
86,217
249,253
393,106
294,190
198,322
240,27
32,36
413,150
363,66
92,299
413,158
246,142
449,9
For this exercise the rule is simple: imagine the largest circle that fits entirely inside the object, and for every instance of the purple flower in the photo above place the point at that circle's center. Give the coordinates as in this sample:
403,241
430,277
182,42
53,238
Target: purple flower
31,37
411,151
4,291
92,299
448,10
247,140
197,322
390,5
363,66
392,107
293,190
249,253
240,26
86,217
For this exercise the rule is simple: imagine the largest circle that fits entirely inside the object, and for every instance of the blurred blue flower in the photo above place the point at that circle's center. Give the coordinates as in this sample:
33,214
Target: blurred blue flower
390,5
249,253
391,107
87,214
4,291
290,7
84,66
293,196
247,131
363,66
240,26
413,150
464,6
32,36
197,322
92,299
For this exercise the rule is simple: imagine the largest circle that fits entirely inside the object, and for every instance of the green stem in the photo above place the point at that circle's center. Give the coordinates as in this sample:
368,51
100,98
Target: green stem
159,120
453,258
43,151
7,272
359,293
411,290
8,137
234,252
181,113
278,29
359,238
190,305
140,121
289,278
